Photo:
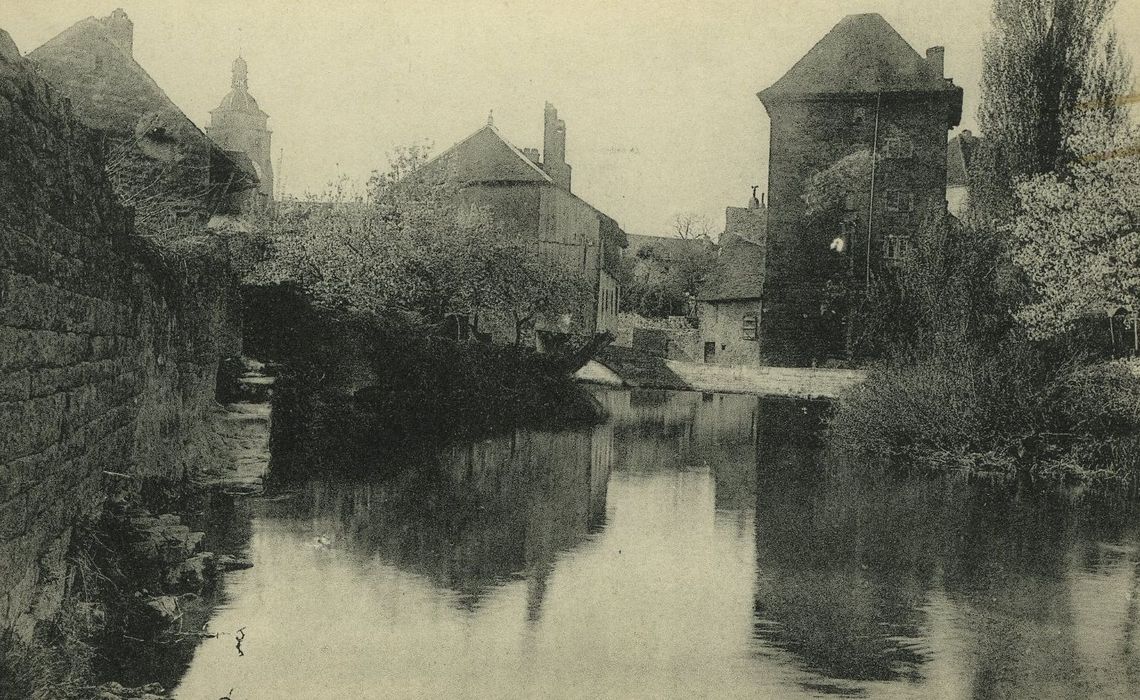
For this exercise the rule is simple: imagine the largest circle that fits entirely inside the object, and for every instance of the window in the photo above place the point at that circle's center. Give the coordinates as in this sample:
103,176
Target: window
900,201
850,202
898,147
750,326
896,247
859,116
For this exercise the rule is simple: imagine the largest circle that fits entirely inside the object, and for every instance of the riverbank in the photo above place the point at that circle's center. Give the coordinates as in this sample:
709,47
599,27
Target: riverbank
1011,413
623,367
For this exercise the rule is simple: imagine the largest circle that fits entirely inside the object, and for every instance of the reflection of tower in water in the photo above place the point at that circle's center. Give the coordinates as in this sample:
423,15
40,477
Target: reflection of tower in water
845,561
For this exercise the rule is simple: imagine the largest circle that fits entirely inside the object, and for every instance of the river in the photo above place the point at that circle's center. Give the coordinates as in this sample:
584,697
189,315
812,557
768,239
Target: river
691,546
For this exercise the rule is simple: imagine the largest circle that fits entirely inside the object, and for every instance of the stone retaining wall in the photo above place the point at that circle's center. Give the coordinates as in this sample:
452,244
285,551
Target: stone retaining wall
107,357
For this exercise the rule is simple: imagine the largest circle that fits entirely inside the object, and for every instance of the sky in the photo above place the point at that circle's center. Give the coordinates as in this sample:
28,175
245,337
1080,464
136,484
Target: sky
659,97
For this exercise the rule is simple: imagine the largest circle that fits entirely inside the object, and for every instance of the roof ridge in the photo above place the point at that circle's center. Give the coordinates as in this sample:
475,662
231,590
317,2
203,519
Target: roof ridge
861,53
494,130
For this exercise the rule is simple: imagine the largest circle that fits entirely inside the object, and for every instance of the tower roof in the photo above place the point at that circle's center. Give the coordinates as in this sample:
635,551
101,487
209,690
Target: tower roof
238,98
861,54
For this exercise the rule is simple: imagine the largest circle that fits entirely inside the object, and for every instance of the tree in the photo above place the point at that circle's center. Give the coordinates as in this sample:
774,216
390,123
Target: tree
414,251
1078,236
664,277
1046,61
692,227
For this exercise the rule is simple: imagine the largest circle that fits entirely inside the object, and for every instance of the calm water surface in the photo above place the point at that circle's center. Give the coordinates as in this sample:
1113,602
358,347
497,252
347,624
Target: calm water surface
693,546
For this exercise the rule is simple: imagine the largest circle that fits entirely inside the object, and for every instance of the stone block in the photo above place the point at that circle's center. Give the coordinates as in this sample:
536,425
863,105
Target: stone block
22,348
29,426
15,386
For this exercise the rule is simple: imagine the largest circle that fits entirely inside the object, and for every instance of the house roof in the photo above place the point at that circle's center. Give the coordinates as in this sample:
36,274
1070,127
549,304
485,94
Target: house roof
109,91
663,248
959,152
486,156
739,272
861,54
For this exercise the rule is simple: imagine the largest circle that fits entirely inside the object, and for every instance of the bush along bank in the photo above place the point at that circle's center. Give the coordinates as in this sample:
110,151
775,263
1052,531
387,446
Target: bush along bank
1018,411
140,588
416,394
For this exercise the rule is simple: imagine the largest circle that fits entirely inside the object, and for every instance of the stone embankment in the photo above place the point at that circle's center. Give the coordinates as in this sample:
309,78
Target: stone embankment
107,358
621,367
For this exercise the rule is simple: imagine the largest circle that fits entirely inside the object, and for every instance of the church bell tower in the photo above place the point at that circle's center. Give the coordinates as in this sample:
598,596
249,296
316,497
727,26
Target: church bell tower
238,124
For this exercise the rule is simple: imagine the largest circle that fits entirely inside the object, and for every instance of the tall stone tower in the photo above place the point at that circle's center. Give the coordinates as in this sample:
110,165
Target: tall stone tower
238,124
863,92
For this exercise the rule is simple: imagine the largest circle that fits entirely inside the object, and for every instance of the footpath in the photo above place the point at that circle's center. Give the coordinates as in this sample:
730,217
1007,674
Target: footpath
623,367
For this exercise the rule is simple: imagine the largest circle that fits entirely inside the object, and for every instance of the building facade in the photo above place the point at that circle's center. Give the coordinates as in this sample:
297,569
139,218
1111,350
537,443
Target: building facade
529,197
860,89
239,125
730,307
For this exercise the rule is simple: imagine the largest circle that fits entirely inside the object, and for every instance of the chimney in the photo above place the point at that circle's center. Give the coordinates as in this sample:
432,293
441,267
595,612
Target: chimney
754,203
554,147
532,155
121,30
936,59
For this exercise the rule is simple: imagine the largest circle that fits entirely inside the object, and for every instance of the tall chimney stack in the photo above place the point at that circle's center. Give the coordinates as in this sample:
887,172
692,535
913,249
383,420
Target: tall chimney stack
936,59
554,148
121,29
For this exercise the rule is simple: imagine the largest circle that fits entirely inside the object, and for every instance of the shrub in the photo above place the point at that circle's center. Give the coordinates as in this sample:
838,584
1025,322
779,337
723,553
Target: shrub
1025,408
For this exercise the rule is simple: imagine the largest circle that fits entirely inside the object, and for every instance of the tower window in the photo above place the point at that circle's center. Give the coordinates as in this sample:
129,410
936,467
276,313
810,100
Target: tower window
900,201
896,247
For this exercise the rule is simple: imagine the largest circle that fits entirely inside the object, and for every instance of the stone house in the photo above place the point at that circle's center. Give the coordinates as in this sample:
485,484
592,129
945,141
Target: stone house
530,197
161,164
861,88
730,308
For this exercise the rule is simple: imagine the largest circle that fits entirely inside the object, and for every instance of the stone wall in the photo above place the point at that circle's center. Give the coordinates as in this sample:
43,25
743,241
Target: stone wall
107,355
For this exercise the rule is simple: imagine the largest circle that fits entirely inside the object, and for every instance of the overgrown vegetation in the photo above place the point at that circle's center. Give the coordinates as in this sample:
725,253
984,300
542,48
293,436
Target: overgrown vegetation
664,279
416,251
408,391
988,361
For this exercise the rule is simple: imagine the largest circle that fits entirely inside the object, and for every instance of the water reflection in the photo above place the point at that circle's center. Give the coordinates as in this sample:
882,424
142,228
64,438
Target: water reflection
472,516
693,546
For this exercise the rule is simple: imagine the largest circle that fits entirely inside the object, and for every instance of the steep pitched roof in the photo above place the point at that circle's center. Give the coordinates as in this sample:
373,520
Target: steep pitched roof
111,92
485,156
958,154
739,272
861,54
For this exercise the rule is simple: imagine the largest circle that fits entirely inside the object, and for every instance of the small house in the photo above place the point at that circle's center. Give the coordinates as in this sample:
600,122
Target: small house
730,306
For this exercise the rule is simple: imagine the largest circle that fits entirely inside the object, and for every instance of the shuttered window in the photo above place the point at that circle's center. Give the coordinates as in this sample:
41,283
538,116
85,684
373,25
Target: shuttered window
750,326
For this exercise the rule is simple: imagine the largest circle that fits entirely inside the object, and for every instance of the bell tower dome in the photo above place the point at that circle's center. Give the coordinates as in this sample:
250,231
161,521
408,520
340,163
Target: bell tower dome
238,124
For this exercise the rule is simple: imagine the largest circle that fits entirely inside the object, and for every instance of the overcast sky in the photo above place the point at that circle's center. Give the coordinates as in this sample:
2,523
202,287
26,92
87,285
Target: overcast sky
659,97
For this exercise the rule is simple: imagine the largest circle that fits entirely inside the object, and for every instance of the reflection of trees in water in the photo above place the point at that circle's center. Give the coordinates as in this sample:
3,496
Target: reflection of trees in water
1013,558
844,567
472,516
849,554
